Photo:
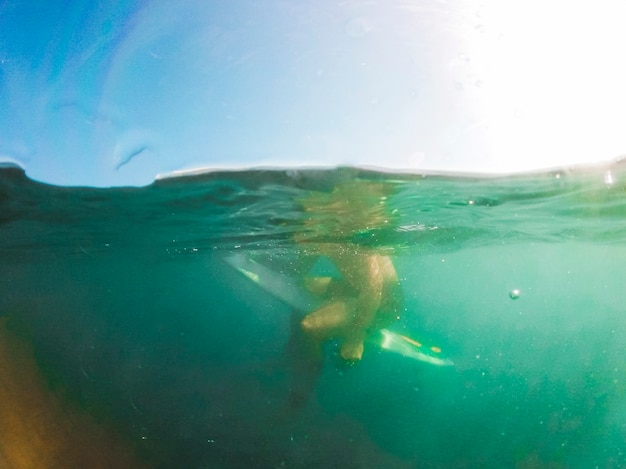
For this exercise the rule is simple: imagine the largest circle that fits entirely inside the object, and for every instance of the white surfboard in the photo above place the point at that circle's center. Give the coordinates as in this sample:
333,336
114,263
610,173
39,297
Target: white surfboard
290,291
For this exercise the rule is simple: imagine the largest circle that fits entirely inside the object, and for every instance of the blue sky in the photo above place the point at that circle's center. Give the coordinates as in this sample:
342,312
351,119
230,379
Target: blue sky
113,93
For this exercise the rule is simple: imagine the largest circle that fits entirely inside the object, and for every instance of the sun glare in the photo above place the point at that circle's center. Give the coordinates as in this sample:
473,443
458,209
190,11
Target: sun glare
549,80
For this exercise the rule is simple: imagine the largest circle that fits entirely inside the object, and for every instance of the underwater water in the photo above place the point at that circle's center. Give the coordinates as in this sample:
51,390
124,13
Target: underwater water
123,330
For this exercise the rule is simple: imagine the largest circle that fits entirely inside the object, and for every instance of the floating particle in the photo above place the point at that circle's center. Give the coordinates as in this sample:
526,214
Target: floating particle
514,294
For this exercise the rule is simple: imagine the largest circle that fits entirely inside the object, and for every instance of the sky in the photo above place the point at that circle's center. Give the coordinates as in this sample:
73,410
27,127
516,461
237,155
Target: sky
114,93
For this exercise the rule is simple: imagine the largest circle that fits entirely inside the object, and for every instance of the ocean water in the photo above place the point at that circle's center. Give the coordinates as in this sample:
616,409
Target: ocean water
146,348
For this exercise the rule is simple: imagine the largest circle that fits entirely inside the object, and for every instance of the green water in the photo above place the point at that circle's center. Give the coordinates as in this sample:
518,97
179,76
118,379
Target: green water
132,310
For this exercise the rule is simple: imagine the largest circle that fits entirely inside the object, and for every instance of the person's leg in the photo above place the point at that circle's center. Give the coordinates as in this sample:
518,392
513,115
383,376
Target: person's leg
352,346
327,321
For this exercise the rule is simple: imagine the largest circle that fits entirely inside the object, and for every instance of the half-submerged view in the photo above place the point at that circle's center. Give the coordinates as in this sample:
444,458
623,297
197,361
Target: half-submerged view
314,318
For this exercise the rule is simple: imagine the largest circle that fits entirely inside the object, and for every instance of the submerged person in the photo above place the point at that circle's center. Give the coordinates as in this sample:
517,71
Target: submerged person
364,297
367,298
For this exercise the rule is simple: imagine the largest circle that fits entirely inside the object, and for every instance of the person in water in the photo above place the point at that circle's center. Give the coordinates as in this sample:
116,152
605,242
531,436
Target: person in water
367,296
